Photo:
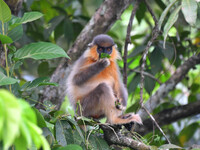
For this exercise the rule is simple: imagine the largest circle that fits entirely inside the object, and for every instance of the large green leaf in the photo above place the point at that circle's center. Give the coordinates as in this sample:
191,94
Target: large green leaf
164,14
38,82
12,120
29,17
4,80
5,13
172,19
40,50
189,9
16,33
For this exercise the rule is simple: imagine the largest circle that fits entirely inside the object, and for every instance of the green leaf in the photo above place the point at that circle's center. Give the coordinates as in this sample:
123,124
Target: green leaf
189,9
40,119
4,80
68,30
168,51
2,116
71,147
60,136
38,82
172,19
149,84
98,143
164,14
137,50
5,13
156,60
29,17
16,33
188,133
104,55
5,39
40,50
12,120
134,83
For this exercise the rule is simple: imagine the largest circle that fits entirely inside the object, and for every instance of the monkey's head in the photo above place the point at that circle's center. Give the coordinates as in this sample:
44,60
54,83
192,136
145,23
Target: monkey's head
103,44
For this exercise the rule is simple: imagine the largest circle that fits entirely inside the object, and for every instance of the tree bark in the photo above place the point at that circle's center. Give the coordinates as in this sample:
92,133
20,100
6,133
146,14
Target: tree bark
113,135
101,22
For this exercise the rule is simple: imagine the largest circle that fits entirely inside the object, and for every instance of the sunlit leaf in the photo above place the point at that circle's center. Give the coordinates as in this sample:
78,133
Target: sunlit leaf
189,9
13,118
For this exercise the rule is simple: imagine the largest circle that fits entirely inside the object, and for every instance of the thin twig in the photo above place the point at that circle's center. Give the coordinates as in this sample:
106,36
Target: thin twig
153,119
155,34
128,40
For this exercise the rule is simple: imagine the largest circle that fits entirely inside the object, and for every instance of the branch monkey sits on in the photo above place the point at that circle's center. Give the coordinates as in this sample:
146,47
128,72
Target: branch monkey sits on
96,83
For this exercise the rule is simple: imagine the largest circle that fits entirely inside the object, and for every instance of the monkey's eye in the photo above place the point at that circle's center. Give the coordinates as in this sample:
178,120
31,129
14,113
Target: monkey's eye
100,49
109,49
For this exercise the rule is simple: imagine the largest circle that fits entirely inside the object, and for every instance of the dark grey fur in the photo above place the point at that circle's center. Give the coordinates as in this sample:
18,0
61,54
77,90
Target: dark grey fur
102,39
85,74
95,98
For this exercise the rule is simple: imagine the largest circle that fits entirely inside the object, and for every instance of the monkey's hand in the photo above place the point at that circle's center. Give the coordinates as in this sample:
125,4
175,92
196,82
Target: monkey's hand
104,62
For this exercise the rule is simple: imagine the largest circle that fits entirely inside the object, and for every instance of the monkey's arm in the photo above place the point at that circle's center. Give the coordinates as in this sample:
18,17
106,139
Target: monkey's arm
88,72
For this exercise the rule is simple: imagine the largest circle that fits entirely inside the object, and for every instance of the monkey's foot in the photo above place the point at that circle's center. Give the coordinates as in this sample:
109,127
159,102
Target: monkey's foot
132,118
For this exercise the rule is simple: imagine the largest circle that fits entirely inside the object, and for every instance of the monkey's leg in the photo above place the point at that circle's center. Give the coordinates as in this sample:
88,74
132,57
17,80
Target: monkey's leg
101,101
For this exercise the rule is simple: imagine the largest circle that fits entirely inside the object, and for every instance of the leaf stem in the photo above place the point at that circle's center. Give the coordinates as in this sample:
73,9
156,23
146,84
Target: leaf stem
6,56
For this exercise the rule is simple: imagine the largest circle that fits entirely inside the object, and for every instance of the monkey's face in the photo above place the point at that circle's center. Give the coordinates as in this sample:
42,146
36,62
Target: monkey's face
104,50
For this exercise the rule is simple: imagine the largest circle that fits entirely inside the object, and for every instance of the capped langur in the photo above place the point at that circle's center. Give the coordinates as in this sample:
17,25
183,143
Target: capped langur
95,82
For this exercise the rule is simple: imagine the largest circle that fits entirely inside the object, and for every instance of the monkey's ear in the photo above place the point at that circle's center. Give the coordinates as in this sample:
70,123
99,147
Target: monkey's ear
90,45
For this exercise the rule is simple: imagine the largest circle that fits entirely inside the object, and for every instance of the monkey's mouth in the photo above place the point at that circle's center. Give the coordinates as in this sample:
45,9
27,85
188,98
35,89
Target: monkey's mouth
104,55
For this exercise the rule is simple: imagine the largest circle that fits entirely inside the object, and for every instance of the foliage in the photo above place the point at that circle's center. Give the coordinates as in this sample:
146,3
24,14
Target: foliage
36,43
18,124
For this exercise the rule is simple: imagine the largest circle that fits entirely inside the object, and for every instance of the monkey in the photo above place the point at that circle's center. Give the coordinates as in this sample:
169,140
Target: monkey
95,83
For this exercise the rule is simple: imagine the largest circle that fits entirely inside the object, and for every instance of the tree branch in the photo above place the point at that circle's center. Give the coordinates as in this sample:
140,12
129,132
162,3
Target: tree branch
128,40
169,85
116,138
168,116
101,22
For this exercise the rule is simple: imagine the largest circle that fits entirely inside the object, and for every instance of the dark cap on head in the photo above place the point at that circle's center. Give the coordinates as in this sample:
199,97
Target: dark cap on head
103,40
